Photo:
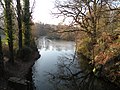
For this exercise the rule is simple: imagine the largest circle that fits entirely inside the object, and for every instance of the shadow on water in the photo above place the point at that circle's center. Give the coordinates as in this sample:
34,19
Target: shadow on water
69,76
59,69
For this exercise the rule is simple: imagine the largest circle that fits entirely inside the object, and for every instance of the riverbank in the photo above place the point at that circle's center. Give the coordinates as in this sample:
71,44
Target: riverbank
107,72
103,55
100,79
20,70
110,61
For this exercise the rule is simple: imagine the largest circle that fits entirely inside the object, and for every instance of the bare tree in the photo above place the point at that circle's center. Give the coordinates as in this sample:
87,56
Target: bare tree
86,15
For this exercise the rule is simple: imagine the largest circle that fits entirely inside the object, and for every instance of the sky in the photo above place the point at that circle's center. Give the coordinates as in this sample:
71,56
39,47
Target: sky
42,12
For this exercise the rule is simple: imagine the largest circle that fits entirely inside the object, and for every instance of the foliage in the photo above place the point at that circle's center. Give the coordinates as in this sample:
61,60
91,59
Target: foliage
26,23
100,22
15,17
85,47
53,31
92,17
9,27
19,19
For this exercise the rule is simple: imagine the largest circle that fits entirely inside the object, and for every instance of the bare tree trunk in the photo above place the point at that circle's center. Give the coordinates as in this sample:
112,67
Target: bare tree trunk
94,29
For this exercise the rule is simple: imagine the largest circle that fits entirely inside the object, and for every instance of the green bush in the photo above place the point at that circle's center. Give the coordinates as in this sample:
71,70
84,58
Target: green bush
85,47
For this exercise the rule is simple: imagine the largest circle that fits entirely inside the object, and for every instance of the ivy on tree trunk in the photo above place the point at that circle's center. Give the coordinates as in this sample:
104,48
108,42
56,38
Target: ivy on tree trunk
9,28
26,21
19,19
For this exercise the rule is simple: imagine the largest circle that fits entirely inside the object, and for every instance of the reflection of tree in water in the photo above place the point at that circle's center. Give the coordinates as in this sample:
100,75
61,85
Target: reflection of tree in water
69,77
43,43
47,44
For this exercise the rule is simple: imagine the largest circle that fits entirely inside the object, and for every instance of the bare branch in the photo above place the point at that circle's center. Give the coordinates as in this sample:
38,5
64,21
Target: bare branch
33,6
1,28
2,4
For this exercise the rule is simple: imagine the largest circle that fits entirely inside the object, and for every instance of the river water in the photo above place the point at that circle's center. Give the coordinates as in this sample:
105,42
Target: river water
52,53
57,68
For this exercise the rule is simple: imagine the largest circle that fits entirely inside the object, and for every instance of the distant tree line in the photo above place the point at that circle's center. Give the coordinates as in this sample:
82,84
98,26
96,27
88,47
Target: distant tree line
54,31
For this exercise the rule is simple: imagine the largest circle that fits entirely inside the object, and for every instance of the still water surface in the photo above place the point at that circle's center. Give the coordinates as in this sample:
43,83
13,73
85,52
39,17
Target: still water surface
52,52
57,69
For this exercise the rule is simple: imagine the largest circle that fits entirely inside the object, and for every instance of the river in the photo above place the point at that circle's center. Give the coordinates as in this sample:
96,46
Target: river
58,69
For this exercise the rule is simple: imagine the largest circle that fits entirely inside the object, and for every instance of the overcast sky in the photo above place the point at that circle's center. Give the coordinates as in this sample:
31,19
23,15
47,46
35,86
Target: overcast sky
42,12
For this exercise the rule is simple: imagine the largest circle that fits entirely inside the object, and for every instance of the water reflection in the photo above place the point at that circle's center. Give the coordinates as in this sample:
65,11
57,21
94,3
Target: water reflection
69,76
50,52
66,75
47,44
58,69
